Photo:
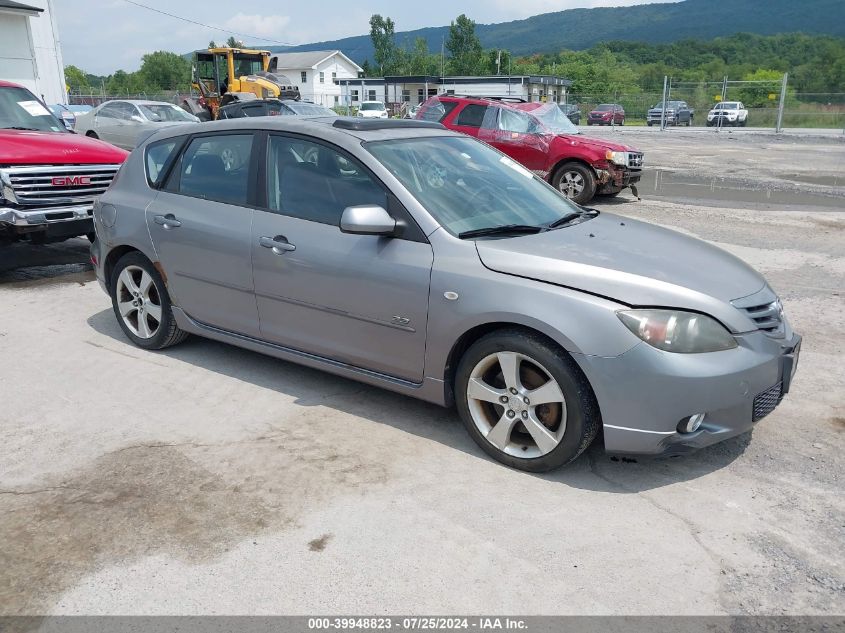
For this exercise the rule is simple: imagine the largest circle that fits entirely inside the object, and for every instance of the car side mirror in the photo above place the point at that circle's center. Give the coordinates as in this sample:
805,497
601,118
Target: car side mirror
367,219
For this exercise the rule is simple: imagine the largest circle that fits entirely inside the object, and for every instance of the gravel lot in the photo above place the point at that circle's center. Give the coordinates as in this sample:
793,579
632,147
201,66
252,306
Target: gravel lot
211,480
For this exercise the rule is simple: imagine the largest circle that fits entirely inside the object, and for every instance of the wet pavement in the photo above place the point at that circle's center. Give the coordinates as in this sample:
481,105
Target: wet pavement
24,265
680,186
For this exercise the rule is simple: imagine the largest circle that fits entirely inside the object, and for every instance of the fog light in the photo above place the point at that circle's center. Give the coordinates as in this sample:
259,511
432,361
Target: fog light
691,424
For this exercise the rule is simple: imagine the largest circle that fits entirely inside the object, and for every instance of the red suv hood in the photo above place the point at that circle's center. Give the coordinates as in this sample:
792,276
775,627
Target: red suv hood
575,140
24,147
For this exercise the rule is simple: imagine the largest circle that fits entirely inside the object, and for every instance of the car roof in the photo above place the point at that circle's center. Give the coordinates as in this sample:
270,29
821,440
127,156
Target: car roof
137,102
9,84
320,127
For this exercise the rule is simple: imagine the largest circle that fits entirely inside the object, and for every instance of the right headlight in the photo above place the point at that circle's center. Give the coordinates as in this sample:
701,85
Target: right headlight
678,331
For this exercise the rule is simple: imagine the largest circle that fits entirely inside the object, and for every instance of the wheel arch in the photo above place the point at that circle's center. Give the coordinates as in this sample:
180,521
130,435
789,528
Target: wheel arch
566,161
473,334
116,253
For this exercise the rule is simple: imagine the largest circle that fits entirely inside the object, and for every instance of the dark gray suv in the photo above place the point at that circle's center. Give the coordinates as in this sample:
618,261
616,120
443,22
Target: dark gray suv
417,259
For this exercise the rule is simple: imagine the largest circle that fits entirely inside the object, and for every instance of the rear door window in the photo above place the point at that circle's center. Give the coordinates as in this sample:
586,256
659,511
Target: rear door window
215,168
472,115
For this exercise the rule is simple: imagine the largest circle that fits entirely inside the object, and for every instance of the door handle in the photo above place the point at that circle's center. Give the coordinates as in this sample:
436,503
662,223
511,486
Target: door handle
278,244
168,221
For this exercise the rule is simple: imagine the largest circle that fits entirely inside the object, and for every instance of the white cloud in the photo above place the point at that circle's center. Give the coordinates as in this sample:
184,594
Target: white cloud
269,26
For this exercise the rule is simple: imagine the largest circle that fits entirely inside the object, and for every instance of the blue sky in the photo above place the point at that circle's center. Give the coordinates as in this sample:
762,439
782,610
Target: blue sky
101,36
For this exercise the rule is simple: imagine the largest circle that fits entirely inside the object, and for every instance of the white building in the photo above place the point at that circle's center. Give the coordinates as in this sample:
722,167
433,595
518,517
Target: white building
30,54
317,73
401,90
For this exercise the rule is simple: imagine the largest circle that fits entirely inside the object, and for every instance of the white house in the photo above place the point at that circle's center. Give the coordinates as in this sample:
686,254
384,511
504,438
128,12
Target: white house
317,73
30,53
413,89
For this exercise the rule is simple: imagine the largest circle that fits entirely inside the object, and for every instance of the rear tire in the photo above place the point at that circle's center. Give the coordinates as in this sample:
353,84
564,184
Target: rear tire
549,415
576,181
142,305
91,134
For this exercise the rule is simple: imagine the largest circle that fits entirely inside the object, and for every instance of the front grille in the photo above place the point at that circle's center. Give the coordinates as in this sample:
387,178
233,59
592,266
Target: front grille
50,185
767,317
766,401
765,311
635,160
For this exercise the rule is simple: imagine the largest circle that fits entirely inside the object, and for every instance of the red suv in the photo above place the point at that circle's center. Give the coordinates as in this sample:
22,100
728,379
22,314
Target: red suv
607,114
49,176
544,140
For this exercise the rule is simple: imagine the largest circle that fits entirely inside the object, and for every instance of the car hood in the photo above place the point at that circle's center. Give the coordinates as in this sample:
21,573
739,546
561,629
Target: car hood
24,147
574,140
632,262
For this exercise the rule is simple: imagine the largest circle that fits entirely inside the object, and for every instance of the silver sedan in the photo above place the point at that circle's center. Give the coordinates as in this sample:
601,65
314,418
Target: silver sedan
123,123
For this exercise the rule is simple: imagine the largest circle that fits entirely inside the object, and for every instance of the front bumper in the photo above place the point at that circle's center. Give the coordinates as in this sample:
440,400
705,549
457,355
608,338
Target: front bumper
615,178
52,222
644,393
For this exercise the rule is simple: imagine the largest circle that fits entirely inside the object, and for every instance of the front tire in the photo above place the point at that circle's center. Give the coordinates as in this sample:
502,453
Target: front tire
142,305
576,181
525,402
91,134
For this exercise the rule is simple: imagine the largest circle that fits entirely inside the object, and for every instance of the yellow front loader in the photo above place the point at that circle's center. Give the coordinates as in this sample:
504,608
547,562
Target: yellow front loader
223,75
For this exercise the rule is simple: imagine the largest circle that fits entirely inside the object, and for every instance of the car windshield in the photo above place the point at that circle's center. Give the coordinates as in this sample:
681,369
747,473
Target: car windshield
725,106
604,108
165,112
669,104
372,105
310,109
467,185
19,109
554,120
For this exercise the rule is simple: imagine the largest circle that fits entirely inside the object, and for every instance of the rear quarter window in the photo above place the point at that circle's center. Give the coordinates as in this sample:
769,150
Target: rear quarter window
158,159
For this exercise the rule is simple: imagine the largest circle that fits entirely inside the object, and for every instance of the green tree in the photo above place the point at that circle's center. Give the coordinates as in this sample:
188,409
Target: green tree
420,61
383,35
467,56
757,95
212,44
77,80
163,70
233,42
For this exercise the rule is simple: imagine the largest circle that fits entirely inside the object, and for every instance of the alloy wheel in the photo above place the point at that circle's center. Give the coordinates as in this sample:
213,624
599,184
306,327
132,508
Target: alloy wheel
138,301
230,159
571,184
516,404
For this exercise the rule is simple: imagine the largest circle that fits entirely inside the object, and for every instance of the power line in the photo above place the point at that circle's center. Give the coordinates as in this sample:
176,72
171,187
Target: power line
208,26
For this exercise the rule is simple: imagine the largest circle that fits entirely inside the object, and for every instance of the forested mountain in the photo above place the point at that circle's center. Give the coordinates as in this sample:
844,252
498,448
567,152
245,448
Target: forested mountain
578,29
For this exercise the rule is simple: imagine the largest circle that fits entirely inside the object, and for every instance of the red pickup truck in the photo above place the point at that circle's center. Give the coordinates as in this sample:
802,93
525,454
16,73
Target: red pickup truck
49,176
544,140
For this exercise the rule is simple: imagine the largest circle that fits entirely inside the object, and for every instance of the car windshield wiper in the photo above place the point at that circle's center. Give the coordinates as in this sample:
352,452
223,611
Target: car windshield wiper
501,230
572,216
20,127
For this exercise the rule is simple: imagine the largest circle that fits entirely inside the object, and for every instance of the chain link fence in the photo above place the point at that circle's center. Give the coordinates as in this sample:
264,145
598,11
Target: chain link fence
762,99
168,96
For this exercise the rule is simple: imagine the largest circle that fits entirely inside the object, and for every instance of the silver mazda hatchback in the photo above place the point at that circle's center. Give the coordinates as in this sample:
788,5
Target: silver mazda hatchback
420,260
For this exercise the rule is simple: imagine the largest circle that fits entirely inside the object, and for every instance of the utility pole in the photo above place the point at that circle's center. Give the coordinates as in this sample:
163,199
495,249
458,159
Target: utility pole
779,126
442,59
663,108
